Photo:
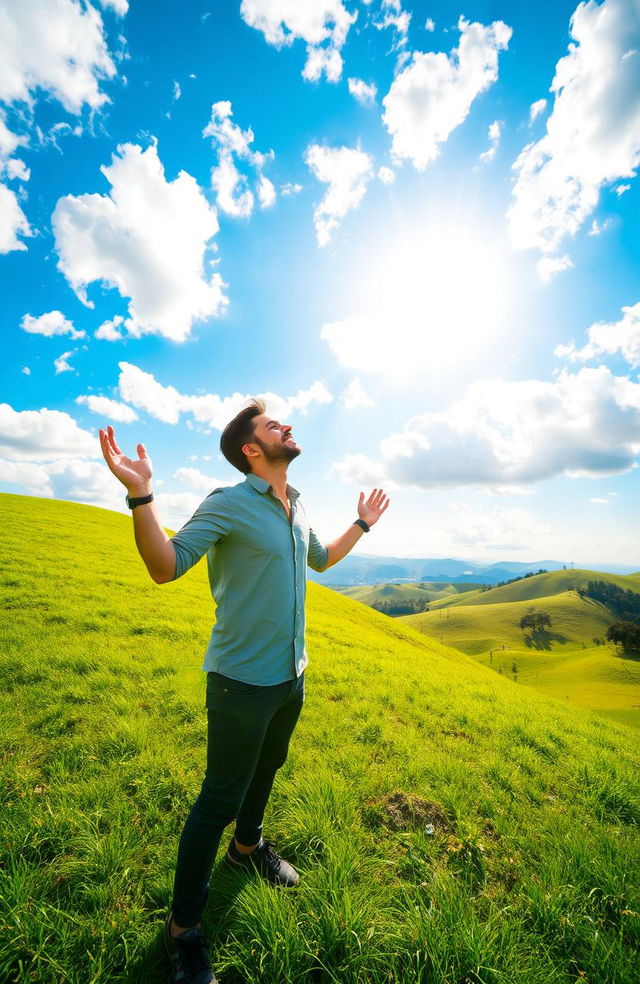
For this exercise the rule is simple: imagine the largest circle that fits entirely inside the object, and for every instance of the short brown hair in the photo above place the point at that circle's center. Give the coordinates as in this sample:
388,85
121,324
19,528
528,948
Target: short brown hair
238,432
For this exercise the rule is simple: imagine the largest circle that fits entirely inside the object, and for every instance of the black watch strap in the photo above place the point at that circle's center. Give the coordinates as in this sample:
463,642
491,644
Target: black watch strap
141,501
363,526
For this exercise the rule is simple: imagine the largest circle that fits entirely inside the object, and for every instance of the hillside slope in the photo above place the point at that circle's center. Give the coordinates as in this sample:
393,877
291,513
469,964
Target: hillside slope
541,586
569,660
423,591
450,826
475,629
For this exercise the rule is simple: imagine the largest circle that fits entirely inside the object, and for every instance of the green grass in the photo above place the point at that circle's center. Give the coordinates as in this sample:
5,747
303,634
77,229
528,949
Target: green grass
478,628
531,873
561,662
541,586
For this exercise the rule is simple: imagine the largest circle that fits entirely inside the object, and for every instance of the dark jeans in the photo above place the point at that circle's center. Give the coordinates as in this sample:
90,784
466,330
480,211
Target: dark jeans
248,741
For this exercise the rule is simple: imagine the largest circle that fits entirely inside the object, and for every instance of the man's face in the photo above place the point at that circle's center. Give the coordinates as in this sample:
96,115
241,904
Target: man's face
274,439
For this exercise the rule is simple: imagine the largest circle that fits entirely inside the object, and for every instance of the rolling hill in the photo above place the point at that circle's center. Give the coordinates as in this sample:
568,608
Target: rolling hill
422,592
570,660
541,586
450,825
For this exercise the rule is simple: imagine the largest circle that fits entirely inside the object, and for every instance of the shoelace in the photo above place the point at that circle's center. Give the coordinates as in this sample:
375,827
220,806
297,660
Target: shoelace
194,953
270,855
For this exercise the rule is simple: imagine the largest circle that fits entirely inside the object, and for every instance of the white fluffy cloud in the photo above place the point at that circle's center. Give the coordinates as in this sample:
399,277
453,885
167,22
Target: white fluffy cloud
347,171
365,93
9,141
43,435
433,94
597,228
148,239
233,145
79,479
193,478
386,175
536,109
492,529
46,453
355,395
266,192
56,47
119,6
548,266
514,433
13,222
112,330
62,364
50,324
395,17
621,337
322,24
593,132
495,130
33,478
165,402
11,167
111,409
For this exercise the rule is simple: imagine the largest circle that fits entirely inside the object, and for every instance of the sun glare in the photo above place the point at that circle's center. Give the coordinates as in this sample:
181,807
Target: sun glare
429,299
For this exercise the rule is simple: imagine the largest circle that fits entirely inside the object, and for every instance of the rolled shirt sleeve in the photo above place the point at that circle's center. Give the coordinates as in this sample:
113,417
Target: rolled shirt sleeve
317,555
210,523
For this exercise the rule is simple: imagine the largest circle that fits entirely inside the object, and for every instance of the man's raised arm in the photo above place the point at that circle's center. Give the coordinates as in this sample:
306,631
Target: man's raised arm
369,513
154,546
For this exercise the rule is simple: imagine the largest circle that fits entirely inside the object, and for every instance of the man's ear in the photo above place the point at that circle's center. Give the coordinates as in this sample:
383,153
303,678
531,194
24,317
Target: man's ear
250,450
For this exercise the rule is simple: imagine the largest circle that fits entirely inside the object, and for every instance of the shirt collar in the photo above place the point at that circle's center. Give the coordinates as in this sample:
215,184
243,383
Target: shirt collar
261,485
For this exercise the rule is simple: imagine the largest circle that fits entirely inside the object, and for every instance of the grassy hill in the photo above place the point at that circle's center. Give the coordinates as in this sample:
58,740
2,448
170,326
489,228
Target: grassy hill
421,591
541,586
563,661
478,628
451,827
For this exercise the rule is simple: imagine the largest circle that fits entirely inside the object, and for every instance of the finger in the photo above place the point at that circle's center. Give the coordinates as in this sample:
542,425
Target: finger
105,445
142,451
371,497
112,435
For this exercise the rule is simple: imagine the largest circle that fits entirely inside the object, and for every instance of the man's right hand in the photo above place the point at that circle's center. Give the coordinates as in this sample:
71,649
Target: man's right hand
134,473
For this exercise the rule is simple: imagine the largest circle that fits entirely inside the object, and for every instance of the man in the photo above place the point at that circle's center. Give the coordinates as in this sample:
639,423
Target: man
258,544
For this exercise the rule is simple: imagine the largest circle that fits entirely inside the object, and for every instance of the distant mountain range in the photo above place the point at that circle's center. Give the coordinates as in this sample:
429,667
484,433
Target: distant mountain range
394,570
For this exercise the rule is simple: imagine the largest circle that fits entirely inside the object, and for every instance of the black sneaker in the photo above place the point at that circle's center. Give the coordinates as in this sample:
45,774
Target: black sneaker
264,860
189,956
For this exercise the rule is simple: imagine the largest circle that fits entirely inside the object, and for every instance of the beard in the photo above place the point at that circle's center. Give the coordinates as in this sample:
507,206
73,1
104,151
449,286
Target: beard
276,453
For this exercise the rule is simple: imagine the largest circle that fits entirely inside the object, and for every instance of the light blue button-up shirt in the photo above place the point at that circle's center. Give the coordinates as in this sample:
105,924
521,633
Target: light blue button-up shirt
257,560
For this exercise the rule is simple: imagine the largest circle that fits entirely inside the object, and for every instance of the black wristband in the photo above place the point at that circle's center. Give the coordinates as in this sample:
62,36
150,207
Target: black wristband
142,501
363,526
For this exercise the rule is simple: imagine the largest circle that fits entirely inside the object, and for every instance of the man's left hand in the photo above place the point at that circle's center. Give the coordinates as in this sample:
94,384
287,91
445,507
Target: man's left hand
373,508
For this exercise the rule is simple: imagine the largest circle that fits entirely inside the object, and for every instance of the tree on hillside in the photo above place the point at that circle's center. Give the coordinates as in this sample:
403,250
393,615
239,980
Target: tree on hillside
625,634
624,603
536,621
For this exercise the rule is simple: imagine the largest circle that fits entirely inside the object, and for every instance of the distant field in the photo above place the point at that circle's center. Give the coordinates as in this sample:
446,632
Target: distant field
451,826
542,586
563,661
425,591
476,628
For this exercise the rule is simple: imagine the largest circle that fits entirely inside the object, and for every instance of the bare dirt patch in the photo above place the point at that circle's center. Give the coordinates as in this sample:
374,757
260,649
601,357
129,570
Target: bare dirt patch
402,811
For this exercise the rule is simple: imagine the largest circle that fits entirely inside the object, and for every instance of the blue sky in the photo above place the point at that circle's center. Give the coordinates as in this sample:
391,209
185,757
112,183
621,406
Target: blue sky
414,226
